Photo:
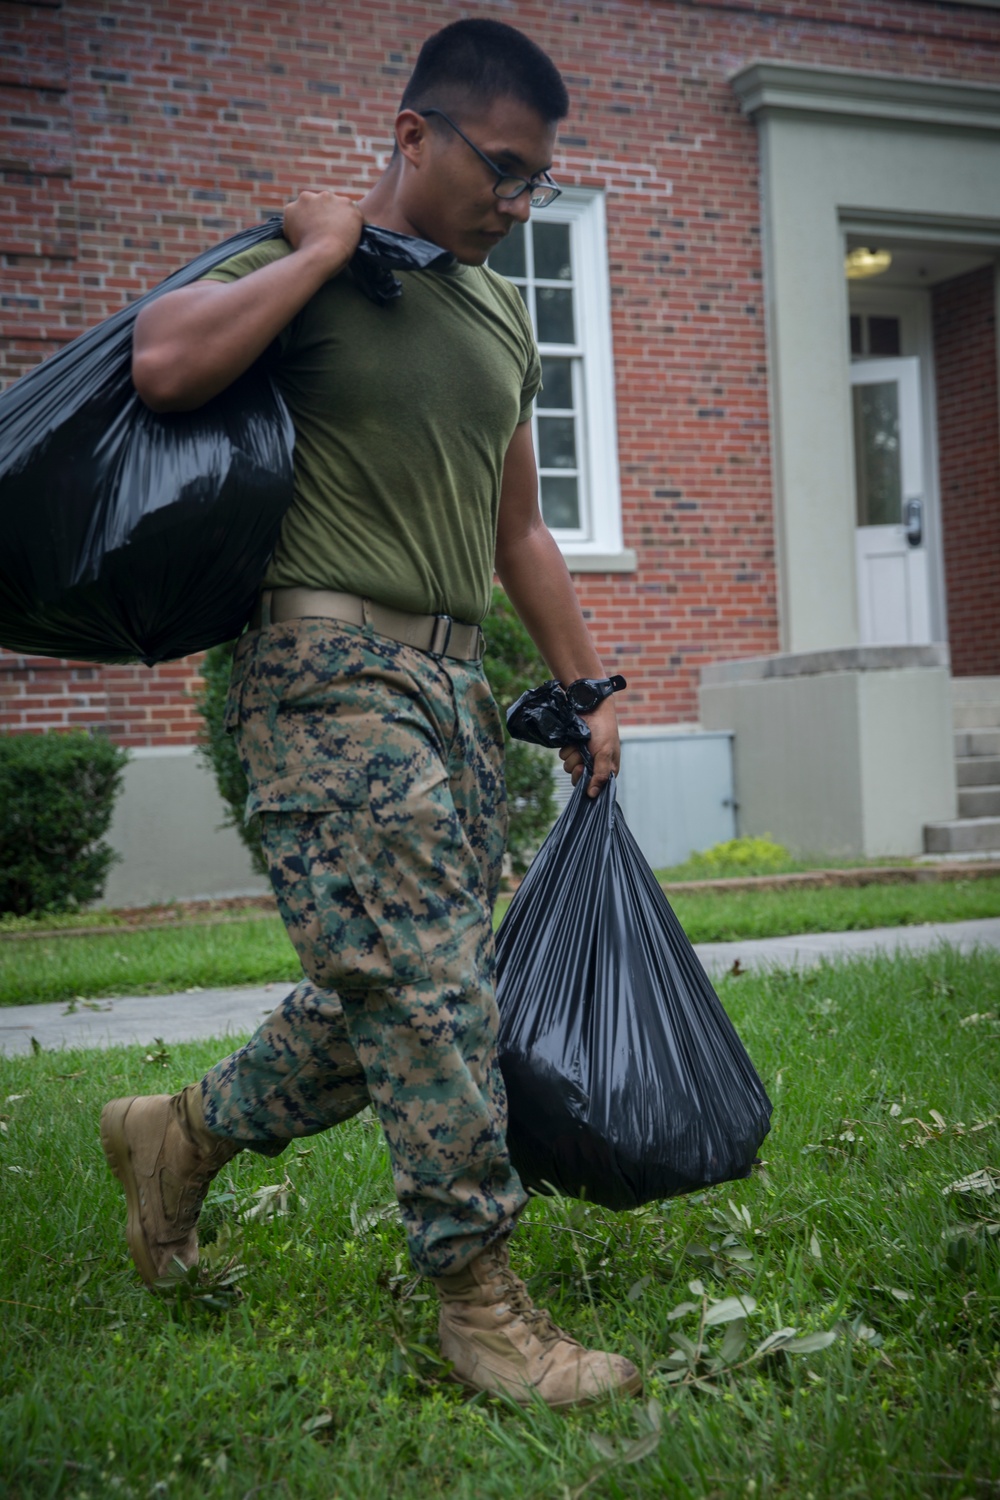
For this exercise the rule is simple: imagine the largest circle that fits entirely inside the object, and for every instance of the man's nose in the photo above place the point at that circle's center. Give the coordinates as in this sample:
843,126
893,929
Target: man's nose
518,208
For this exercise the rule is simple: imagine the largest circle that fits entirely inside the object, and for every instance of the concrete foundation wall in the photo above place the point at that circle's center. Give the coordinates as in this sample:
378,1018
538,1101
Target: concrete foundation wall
167,830
846,753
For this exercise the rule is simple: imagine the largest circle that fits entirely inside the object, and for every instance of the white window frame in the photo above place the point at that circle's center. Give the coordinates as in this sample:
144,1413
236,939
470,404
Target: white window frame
597,545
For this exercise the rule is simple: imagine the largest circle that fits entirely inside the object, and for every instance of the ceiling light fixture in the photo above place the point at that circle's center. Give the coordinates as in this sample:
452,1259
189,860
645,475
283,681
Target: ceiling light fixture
860,263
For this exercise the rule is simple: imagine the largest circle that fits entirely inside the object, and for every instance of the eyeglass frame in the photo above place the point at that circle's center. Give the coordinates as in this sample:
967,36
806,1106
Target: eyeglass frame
527,185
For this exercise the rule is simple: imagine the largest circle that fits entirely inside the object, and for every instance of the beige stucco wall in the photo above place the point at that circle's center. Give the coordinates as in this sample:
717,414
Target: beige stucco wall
167,830
842,762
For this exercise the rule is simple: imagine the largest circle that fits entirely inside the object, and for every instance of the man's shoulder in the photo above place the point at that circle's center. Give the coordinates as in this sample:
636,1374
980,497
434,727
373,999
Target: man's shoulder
246,261
501,293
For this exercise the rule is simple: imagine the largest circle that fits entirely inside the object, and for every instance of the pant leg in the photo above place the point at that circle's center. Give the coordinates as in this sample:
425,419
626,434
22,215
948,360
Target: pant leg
377,773
297,1075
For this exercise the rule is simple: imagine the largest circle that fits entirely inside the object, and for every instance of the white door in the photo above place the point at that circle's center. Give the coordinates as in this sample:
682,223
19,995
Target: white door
892,560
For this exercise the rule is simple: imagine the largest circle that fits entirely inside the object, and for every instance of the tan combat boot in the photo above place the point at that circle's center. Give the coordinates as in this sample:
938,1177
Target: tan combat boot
164,1158
498,1340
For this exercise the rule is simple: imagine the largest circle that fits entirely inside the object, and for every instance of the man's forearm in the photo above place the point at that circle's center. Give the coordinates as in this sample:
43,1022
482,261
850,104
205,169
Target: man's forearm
537,582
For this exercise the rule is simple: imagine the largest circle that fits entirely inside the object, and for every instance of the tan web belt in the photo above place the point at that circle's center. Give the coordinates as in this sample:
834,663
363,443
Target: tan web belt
439,635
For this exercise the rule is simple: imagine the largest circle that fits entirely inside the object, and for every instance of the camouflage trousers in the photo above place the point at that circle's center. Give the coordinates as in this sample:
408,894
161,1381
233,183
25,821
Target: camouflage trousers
376,770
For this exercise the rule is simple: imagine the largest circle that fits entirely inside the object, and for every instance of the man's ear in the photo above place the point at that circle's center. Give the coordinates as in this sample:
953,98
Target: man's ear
412,133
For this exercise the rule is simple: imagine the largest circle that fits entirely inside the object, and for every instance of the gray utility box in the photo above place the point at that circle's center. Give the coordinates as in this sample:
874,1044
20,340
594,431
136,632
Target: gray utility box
676,789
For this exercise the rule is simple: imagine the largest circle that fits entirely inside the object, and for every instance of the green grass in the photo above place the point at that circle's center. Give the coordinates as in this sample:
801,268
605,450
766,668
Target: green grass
723,917
702,867
106,1390
149,962
258,952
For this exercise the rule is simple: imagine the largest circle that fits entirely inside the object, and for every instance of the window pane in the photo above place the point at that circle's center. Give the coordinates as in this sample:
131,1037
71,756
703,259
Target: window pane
557,383
555,315
883,337
552,258
877,455
508,257
560,502
556,443
856,334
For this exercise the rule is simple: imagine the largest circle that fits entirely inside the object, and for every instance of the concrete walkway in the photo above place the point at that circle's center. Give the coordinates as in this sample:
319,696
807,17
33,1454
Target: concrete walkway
137,1019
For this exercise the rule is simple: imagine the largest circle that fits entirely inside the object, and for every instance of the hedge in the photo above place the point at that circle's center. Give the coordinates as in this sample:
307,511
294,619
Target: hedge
57,794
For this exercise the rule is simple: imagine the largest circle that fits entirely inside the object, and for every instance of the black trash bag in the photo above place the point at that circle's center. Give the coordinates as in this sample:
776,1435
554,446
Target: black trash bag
545,716
626,1080
127,534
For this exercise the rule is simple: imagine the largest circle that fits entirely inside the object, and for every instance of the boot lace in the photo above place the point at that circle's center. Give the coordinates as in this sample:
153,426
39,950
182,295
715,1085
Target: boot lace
518,1299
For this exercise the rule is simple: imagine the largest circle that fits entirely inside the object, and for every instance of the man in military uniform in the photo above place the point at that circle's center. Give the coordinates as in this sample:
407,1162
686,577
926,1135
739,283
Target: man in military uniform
372,745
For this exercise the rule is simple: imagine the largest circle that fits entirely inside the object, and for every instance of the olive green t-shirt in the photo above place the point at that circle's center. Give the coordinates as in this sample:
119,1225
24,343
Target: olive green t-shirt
402,417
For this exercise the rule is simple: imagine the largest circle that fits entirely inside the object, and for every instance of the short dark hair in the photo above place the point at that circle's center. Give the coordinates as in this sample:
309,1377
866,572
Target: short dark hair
486,60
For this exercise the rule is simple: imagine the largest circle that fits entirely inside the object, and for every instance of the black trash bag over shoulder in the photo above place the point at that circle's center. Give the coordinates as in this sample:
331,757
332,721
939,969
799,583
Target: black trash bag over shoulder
127,534
626,1080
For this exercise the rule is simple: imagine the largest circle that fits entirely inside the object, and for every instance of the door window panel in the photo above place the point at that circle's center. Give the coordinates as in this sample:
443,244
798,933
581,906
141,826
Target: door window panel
877,454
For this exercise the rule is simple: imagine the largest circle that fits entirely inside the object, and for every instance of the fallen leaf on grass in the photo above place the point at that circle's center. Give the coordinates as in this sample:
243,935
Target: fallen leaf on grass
317,1423
361,1223
728,1309
986,1182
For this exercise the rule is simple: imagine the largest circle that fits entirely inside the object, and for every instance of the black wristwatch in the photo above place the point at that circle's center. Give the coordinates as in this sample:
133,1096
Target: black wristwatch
588,693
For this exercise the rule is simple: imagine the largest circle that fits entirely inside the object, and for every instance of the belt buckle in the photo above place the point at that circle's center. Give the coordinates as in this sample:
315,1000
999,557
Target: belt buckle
440,635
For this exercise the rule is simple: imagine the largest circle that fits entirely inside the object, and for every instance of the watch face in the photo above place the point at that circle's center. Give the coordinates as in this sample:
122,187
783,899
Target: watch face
585,696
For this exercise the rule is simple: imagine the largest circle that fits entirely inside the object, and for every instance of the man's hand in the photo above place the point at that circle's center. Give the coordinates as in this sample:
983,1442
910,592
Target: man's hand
325,225
604,746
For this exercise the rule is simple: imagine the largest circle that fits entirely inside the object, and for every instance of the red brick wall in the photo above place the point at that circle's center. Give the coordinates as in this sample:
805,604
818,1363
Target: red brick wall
136,134
965,360
133,705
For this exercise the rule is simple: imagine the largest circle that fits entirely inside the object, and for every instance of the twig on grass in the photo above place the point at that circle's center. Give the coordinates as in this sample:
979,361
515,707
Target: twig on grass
987,1484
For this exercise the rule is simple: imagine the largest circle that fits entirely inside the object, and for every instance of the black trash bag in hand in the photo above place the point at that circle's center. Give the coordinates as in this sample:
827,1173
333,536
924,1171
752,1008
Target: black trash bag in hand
626,1080
128,534
545,716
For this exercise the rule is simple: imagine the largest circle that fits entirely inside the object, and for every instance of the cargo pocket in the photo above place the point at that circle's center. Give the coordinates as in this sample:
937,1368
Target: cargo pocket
340,892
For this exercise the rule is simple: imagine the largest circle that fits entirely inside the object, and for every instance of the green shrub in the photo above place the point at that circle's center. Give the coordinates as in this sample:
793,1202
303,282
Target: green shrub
219,750
57,794
512,664
746,856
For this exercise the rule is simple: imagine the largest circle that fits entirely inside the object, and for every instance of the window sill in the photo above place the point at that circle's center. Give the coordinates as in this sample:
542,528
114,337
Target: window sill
624,561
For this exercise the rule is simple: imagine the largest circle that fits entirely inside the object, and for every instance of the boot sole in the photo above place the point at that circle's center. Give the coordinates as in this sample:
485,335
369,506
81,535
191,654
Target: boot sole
119,1156
631,1387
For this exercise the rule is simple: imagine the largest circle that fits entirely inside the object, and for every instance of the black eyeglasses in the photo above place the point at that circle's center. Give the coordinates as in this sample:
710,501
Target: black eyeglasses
542,189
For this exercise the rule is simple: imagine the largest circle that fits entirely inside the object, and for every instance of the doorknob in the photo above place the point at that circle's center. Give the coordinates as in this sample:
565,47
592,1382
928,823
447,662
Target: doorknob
913,521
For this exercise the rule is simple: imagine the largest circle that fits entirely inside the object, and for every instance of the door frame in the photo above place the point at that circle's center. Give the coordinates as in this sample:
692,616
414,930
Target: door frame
916,333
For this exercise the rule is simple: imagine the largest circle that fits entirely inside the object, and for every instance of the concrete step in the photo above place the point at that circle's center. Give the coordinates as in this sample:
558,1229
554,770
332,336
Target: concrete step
962,835
976,715
977,742
979,802
975,690
978,770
